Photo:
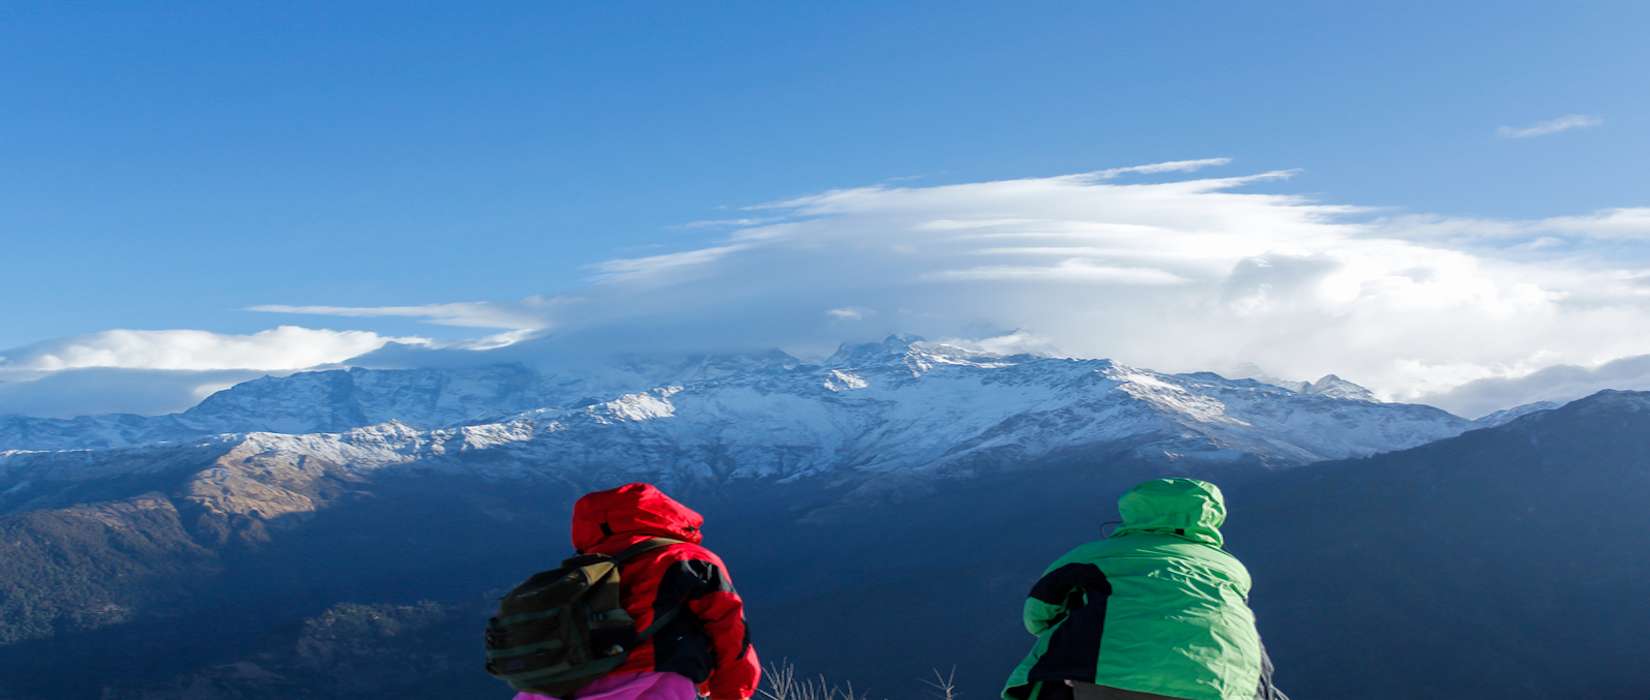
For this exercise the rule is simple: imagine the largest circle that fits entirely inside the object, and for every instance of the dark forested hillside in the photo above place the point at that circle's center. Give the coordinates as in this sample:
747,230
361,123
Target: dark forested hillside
1505,563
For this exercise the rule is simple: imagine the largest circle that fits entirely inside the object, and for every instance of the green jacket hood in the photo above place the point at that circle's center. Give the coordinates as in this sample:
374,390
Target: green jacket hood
1185,508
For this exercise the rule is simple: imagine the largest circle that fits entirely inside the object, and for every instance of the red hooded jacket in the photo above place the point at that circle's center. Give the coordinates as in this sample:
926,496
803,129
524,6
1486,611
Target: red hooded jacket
708,641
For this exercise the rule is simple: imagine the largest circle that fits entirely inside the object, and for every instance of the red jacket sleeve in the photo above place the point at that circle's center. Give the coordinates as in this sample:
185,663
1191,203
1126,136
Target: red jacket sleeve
722,613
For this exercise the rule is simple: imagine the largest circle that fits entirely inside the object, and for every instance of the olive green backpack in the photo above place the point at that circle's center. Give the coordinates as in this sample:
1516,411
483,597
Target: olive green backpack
561,629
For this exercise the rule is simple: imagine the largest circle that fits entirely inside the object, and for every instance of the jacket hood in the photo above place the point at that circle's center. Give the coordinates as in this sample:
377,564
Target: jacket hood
618,517
1185,508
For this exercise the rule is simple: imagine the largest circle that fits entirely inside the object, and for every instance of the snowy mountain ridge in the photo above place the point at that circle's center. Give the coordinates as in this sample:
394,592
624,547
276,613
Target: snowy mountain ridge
978,386
901,406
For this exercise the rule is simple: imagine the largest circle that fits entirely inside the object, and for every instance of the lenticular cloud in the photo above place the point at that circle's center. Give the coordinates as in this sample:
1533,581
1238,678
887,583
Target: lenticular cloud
1178,274
281,348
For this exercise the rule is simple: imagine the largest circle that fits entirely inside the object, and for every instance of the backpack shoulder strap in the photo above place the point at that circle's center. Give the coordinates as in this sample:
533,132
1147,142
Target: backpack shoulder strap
644,547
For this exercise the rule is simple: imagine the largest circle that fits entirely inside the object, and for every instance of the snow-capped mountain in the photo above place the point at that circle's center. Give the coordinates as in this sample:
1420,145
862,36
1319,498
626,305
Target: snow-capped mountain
340,400
899,406
308,402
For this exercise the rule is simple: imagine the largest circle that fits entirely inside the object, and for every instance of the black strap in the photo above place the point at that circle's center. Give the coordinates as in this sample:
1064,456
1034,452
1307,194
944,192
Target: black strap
659,622
644,547
638,549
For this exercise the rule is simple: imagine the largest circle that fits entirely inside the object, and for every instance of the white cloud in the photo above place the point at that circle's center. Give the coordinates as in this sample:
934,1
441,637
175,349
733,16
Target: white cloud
1184,274
1557,383
659,267
530,314
1173,166
1550,126
164,371
1068,270
1624,223
281,348
1194,273
724,223
80,392
1017,342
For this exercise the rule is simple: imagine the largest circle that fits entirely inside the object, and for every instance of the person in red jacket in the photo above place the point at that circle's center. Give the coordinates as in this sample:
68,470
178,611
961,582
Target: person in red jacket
707,648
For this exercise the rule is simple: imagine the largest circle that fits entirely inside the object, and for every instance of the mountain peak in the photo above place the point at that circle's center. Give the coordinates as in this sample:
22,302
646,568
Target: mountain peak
1329,385
1336,388
888,350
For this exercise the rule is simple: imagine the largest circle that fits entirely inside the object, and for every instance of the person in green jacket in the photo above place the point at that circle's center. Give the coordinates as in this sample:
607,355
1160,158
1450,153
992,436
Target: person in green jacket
1157,610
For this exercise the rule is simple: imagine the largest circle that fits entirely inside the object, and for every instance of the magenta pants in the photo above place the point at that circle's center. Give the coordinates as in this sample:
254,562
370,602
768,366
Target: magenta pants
631,686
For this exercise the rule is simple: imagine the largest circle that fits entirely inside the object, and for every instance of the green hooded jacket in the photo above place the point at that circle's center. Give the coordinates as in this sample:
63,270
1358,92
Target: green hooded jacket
1156,608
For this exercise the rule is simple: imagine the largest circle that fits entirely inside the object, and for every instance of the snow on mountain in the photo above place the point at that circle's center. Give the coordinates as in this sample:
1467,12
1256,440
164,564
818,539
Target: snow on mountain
1335,387
92,432
1508,415
900,406
339,400
1328,385
308,402
426,398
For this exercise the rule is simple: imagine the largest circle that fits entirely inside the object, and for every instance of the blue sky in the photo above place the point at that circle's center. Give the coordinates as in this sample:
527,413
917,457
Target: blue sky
171,166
